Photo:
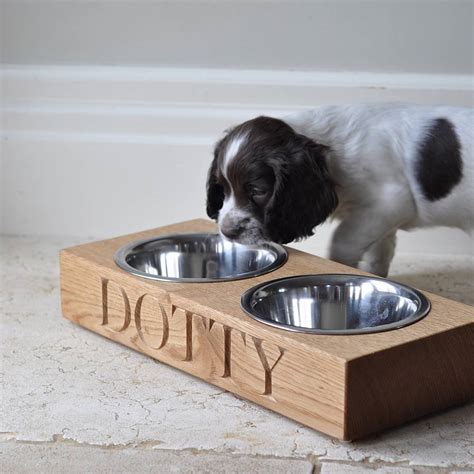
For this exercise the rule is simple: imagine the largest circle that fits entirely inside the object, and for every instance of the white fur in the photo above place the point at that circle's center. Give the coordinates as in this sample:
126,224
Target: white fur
230,214
228,207
231,150
373,153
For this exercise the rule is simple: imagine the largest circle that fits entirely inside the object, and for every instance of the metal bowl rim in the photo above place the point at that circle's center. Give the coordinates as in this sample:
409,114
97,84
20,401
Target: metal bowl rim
121,254
423,310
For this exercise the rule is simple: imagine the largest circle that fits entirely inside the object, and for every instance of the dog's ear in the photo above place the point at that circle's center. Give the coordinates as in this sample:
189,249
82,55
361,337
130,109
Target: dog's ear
215,192
304,195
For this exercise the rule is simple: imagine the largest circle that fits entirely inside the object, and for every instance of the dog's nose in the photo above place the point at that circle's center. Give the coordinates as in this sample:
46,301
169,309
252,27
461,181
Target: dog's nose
232,232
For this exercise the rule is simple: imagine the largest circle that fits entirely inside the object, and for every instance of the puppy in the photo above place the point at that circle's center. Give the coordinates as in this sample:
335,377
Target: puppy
376,168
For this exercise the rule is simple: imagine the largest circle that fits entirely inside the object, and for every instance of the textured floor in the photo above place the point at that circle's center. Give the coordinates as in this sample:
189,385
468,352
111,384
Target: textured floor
75,402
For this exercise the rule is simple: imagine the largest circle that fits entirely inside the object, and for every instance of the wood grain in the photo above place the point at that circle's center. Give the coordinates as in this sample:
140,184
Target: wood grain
345,386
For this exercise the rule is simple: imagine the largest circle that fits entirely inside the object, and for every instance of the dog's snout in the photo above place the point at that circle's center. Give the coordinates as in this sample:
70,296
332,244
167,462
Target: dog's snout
232,233
232,230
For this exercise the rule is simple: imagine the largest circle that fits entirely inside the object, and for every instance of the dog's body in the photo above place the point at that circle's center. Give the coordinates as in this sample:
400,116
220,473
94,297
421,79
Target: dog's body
377,168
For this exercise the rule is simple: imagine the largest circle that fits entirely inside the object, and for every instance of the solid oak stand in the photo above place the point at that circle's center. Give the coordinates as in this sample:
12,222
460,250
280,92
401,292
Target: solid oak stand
345,386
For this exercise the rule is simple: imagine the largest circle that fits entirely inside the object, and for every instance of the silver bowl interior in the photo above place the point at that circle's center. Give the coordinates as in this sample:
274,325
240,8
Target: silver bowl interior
198,257
335,304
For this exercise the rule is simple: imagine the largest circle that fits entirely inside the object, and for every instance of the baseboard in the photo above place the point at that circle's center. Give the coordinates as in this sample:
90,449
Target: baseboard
105,151
172,106
240,76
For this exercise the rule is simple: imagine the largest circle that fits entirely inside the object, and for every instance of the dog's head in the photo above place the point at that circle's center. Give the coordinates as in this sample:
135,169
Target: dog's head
268,182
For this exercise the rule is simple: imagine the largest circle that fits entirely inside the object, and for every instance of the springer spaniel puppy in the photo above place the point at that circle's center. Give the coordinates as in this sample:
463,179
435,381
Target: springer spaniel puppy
376,168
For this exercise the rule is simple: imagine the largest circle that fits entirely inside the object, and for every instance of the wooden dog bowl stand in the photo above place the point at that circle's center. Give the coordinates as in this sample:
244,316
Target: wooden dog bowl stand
345,386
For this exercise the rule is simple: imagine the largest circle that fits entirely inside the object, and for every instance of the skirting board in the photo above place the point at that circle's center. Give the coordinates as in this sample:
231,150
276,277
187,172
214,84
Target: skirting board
166,106
345,386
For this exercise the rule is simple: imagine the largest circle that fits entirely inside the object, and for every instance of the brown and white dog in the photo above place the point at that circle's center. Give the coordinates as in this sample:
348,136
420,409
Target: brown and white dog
376,168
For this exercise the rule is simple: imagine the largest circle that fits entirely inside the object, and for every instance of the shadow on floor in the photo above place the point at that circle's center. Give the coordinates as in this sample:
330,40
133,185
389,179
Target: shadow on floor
455,285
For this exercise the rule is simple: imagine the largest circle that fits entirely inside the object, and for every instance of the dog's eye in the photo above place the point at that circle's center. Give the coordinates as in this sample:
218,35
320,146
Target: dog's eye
258,196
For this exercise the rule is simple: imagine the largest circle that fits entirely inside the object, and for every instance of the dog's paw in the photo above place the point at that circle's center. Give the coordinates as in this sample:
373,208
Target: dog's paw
377,268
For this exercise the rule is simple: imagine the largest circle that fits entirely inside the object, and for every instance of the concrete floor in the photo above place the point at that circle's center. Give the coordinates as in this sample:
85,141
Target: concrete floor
75,402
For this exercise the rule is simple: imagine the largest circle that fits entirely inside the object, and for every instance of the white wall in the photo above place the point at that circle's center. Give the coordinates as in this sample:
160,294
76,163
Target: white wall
423,36
97,150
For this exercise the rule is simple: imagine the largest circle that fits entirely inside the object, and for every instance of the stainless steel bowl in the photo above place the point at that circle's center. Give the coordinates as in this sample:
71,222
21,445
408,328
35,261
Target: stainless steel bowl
335,304
198,258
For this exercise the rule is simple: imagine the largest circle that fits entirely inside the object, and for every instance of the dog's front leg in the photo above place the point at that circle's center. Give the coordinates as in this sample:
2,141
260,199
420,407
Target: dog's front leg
378,257
368,231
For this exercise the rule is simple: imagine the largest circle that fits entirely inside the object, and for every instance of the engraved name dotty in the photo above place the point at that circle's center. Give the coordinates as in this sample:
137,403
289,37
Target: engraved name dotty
166,319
